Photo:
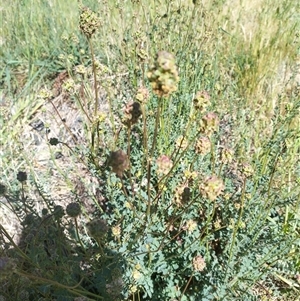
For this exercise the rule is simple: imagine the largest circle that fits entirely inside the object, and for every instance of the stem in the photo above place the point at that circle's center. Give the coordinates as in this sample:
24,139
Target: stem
96,99
237,226
13,243
77,233
128,154
186,286
83,109
150,158
71,289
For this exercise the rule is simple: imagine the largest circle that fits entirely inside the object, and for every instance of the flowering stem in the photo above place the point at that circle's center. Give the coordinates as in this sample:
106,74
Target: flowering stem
94,130
77,234
128,154
82,108
237,225
186,286
150,158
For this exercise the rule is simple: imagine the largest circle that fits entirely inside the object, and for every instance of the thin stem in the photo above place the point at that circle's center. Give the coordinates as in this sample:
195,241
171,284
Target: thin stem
237,225
71,289
128,154
186,286
77,234
150,158
96,98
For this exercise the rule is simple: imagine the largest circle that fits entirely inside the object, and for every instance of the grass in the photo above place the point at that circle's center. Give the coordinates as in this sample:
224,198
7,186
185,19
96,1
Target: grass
244,228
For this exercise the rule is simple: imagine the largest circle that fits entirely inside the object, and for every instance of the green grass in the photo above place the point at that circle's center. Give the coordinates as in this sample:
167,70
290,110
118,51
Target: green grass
246,56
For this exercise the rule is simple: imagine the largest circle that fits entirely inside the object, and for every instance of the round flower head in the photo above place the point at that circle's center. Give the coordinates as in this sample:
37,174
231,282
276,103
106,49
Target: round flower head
209,123
182,194
132,113
119,162
163,75
203,146
142,95
58,211
73,209
246,169
199,263
226,155
164,164
201,101
212,187
22,176
89,22
181,142
97,228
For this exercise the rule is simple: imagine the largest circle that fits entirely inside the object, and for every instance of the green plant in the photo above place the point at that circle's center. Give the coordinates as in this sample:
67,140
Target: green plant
195,200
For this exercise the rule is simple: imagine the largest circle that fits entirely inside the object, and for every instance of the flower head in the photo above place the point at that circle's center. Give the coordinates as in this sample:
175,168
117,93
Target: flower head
246,169
226,155
201,101
22,176
212,187
97,228
182,194
181,142
190,225
73,209
132,113
89,22
142,95
199,263
163,75
119,162
209,123
164,164
203,145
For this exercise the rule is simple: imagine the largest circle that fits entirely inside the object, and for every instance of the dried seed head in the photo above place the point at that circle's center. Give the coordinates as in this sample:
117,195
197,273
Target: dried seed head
132,113
212,187
163,75
22,176
97,228
119,162
58,211
53,141
73,209
89,22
